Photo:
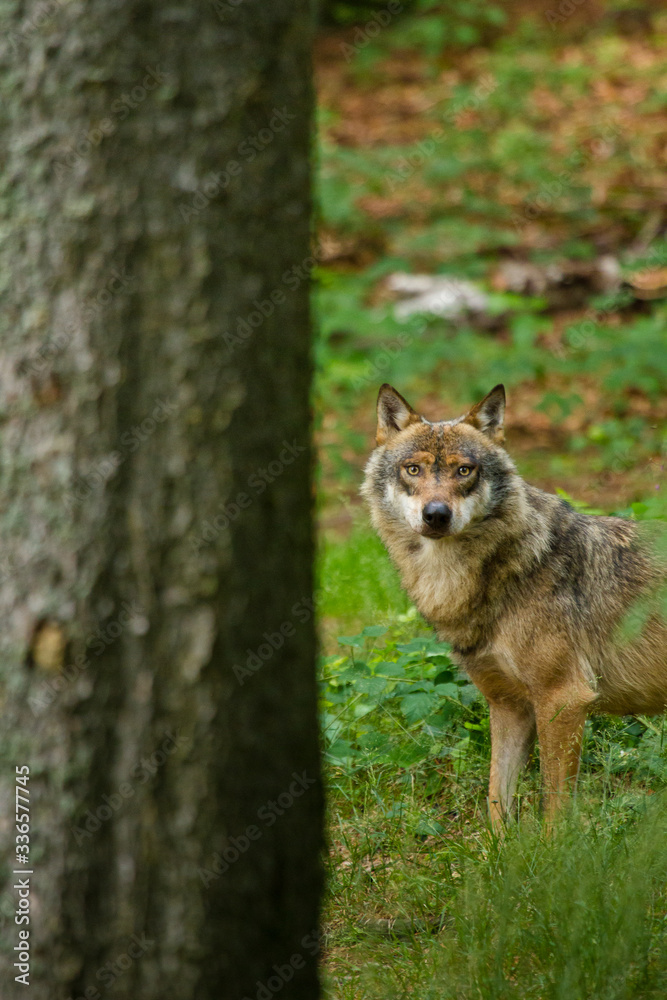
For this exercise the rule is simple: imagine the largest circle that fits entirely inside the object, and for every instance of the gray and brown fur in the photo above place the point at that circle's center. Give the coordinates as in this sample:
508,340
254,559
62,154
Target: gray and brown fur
530,593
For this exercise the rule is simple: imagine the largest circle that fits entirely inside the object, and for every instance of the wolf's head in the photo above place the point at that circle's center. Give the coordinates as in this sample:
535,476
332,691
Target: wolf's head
438,479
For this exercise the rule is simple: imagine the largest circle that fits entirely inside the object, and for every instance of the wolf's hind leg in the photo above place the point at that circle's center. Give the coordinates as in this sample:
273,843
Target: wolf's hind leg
512,736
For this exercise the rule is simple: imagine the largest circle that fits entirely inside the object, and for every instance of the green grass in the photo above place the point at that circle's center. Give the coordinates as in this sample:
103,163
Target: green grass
580,917
423,901
358,585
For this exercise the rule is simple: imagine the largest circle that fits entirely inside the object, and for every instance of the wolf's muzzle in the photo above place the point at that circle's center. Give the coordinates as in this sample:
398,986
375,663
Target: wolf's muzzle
437,517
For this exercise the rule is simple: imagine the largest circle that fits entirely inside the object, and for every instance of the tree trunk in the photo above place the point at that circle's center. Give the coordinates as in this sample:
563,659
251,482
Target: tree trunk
155,587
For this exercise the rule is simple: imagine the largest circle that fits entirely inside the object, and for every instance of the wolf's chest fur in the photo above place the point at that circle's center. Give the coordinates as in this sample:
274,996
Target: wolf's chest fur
465,596
461,596
446,585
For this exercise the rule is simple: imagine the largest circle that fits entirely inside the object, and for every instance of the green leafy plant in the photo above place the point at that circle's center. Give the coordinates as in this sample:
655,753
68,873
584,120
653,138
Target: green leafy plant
398,704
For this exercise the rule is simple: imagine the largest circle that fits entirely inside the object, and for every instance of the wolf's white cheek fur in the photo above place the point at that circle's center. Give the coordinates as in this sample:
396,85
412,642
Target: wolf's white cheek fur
405,506
470,509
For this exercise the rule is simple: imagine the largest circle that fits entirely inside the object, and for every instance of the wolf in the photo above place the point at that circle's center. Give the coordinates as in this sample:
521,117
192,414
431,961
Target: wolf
533,596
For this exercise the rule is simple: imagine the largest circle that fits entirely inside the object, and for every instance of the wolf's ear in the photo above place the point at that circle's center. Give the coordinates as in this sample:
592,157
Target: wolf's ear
394,414
489,415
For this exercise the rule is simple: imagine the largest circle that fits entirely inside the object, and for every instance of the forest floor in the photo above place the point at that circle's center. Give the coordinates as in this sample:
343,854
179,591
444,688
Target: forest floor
528,159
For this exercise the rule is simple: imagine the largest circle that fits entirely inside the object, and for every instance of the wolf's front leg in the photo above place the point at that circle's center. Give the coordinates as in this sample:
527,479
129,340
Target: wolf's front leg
561,715
512,736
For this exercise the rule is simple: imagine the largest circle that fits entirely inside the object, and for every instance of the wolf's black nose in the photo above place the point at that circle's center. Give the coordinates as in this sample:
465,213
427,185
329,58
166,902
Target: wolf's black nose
437,515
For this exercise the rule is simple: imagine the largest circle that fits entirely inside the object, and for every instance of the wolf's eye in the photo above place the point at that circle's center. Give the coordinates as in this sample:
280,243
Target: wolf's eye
464,470
413,470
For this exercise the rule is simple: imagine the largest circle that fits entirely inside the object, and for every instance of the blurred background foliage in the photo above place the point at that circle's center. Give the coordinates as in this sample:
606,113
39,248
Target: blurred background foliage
523,142
520,150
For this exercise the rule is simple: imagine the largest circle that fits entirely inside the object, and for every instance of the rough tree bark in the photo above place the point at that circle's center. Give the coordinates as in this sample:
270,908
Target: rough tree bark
155,580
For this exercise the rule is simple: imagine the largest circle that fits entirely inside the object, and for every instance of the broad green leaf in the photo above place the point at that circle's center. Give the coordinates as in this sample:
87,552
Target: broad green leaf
409,752
363,708
374,741
468,693
332,726
444,677
342,749
415,646
388,669
351,640
448,690
428,827
418,705
371,685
